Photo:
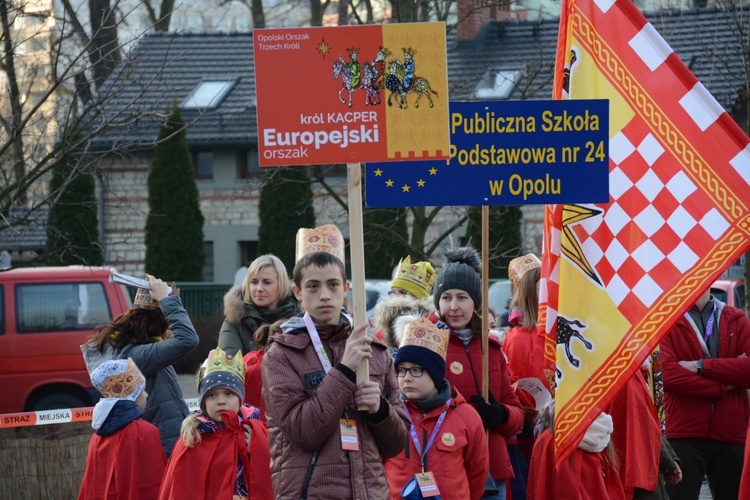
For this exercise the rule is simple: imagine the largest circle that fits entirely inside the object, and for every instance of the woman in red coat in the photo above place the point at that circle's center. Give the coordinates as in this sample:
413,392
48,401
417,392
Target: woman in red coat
458,297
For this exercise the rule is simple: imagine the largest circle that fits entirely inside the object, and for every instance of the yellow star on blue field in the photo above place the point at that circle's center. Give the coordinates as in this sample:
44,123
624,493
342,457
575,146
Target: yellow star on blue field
389,183
420,183
405,188
433,171
378,173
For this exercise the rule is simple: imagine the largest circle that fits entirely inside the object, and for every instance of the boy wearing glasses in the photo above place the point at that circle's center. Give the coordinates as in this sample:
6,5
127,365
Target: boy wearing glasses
447,450
321,445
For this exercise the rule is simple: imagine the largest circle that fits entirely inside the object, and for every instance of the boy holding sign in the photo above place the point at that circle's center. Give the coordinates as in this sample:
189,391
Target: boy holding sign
321,446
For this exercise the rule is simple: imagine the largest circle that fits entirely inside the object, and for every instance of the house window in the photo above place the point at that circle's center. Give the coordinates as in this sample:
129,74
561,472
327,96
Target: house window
248,252
207,94
203,164
247,164
498,84
208,261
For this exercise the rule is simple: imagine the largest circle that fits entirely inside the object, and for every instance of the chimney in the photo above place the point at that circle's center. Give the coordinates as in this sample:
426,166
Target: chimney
473,15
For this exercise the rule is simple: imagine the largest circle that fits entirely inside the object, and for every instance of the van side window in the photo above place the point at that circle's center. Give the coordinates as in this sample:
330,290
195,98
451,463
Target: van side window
54,307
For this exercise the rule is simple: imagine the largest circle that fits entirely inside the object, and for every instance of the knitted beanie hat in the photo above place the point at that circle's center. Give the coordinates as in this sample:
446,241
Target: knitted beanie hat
462,271
424,344
220,372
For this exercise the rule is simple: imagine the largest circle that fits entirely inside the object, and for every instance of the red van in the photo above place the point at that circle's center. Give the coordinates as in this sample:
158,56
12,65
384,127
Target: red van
46,314
730,291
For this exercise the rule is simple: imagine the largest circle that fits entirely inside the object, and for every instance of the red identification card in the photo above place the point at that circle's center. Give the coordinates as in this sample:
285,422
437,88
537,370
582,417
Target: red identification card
349,438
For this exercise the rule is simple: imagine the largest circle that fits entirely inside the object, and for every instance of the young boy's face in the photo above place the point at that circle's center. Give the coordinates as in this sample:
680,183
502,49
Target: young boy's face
322,292
221,400
414,387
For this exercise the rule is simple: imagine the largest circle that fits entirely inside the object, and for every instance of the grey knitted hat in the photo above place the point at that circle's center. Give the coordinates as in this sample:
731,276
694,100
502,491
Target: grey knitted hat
462,271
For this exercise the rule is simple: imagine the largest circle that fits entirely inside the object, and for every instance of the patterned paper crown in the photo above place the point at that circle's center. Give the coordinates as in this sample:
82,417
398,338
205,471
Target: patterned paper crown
326,239
423,333
409,52
218,362
143,300
353,51
417,278
520,266
118,379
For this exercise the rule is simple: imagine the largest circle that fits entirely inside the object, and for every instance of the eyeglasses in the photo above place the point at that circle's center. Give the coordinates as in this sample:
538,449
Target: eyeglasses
414,371
394,293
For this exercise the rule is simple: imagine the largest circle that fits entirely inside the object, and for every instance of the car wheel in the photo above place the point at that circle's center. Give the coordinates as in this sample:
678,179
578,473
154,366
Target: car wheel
58,401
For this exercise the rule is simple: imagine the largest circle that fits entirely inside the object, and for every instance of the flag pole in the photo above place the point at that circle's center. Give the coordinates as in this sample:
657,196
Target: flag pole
485,299
357,256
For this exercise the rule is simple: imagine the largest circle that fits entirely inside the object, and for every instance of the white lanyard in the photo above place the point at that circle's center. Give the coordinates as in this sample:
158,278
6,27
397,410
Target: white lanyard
319,349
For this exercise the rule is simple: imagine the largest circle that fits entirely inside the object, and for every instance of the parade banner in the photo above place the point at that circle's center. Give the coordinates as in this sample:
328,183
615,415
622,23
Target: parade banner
616,276
351,93
506,153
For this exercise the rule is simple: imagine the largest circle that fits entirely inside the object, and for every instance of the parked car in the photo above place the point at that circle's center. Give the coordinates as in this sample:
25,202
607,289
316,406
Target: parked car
46,314
499,297
730,291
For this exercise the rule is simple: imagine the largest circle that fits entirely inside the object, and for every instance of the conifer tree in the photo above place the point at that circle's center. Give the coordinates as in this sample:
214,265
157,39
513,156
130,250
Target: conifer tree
286,204
174,228
382,253
72,227
505,236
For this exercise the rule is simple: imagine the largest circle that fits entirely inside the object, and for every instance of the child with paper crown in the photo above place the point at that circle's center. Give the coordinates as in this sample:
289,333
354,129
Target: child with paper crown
156,332
321,445
125,459
223,450
413,279
447,451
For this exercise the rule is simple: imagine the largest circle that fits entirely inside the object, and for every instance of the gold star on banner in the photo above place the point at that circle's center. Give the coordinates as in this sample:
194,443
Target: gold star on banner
405,188
433,171
323,48
420,183
389,183
570,247
378,173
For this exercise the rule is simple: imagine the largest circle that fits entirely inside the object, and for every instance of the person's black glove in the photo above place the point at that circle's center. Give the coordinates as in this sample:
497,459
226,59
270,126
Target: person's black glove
492,414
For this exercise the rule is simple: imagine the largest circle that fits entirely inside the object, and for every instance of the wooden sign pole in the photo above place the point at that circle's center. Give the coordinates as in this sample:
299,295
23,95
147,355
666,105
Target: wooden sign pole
357,255
485,299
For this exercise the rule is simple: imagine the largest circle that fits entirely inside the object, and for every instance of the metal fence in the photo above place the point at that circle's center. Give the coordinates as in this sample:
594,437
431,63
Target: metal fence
200,299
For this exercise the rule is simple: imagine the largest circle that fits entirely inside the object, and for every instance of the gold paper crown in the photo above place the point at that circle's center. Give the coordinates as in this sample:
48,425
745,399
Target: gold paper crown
121,385
409,51
143,300
218,362
423,333
417,278
353,50
326,239
520,266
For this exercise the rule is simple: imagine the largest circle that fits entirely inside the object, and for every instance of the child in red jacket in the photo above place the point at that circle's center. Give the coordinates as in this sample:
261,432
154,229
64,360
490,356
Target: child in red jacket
125,460
448,445
223,450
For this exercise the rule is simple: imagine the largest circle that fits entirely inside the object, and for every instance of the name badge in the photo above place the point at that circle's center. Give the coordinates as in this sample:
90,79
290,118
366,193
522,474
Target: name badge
349,437
427,484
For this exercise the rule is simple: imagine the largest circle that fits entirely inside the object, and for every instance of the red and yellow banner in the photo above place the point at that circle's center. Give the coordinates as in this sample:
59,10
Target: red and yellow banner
616,276
351,94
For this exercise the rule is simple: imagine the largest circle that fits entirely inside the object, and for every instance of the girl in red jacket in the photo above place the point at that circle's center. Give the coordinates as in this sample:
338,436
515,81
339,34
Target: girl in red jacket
448,446
223,450
458,297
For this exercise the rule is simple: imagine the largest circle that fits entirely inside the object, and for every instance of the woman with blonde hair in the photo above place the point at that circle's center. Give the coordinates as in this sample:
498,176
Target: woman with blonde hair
261,299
